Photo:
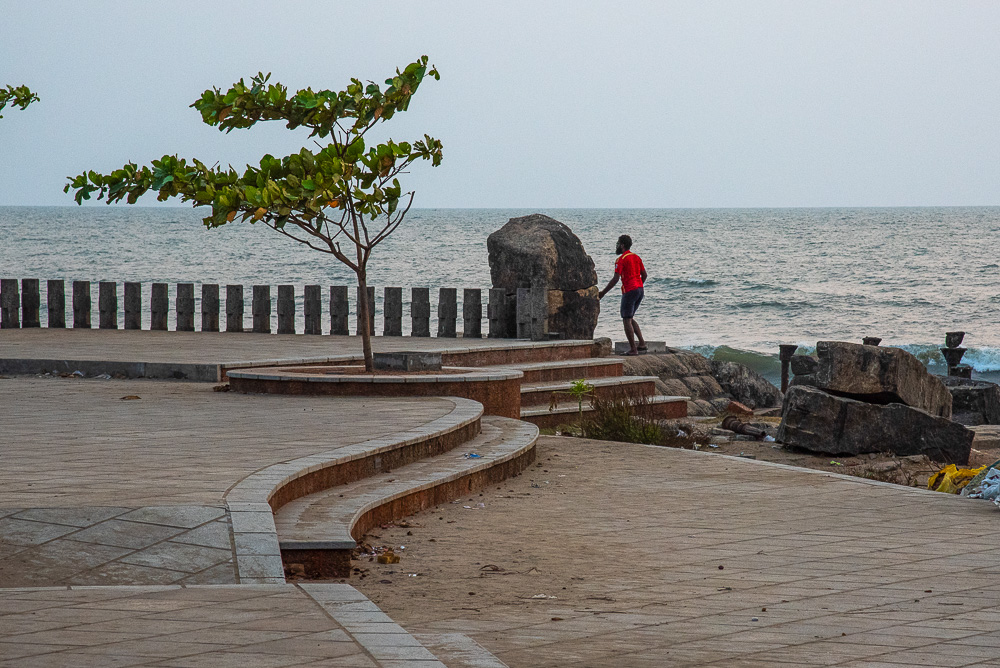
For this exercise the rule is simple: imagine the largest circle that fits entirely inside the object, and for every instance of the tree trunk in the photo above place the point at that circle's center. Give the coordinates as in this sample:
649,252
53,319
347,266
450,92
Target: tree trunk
365,317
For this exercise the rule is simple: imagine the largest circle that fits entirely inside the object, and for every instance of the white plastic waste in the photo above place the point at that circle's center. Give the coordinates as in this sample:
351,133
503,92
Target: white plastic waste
769,439
989,488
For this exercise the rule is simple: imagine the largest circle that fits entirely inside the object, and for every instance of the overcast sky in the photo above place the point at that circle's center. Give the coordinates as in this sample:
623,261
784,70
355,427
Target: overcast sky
540,104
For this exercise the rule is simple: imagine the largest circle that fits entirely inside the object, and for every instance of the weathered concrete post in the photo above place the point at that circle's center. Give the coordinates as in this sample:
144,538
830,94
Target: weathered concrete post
447,312
81,304
392,312
133,305
55,300
261,308
420,312
234,308
10,304
210,307
371,311
31,303
523,313
159,304
498,314
107,305
339,310
286,309
312,307
785,353
539,310
185,307
472,314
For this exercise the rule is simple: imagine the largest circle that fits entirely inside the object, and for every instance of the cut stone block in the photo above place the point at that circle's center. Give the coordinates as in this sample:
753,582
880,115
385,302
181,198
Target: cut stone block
408,361
974,402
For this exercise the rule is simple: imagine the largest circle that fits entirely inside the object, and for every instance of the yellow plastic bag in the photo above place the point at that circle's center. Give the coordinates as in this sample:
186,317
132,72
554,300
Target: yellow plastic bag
951,479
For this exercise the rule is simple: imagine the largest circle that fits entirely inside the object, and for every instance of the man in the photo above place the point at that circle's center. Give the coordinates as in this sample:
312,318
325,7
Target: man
629,268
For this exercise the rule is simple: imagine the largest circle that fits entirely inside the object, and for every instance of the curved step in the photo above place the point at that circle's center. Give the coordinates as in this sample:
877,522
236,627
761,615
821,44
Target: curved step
320,531
567,412
544,372
534,394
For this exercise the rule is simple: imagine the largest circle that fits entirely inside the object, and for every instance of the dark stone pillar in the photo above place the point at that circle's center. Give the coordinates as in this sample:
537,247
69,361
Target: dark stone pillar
133,305
420,312
185,307
472,314
159,305
234,308
107,305
81,304
371,311
339,310
286,309
447,312
210,307
10,304
31,303
261,307
312,307
392,312
55,300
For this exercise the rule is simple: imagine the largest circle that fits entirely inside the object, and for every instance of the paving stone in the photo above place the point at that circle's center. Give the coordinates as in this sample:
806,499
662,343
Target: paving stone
77,517
24,532
186,517
213,534
135,535
179,557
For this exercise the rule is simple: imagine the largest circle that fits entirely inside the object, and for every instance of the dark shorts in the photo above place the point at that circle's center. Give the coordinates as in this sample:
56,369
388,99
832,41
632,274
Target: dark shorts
630,303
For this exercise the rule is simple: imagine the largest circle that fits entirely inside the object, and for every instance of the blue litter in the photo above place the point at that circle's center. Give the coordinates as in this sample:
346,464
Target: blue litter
472,455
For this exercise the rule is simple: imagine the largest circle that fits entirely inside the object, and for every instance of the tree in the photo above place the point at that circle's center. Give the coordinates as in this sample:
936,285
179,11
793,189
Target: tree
345,190
17,96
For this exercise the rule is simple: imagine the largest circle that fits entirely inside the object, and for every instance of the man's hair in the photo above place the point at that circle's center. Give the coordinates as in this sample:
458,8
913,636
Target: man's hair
626,241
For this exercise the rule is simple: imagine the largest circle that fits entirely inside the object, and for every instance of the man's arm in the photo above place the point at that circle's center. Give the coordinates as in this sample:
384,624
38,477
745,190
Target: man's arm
643,274
611,284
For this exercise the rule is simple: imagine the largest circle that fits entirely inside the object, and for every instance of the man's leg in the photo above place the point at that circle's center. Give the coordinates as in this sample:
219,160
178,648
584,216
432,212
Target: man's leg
638,333
627,322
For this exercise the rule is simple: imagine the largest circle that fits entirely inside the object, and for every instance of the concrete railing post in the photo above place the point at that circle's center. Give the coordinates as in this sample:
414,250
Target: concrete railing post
261,307
447,312
209,307
31,303
371,311
10,304
107,305
339,310
498,314
55,300
234,308
185,307
286,309
523,313
472,314
392,312
539,312
159,305
133,305
81,304
420,312
312,307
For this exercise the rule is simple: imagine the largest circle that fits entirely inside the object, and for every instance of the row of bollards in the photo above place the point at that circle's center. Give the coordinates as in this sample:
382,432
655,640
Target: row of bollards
20,306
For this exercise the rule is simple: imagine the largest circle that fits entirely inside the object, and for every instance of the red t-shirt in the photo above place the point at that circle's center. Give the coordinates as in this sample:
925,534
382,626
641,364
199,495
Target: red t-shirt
629,267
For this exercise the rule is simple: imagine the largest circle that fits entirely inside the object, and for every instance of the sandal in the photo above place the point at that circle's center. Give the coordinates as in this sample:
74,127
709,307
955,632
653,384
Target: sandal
642,349
631,354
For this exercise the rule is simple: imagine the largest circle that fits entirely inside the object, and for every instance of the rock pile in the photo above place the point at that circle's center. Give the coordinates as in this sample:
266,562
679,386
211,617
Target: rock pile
974,402
854,399
538,250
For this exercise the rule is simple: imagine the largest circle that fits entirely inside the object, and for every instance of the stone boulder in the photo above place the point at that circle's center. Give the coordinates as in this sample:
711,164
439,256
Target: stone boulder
817,421
879,375
974,402
746,385
537,250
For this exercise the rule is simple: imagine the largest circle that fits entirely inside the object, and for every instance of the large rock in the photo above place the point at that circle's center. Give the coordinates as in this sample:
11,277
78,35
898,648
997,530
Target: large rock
974,402
538,250
879,375
746,385
817,421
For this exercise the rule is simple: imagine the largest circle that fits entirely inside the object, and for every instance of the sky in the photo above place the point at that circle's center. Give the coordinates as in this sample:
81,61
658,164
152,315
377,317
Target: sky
541,103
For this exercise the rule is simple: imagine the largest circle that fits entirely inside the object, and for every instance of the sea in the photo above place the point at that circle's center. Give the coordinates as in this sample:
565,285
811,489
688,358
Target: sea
729,283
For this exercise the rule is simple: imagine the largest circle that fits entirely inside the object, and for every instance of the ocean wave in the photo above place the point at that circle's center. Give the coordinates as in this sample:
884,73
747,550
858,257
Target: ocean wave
683,282
775,304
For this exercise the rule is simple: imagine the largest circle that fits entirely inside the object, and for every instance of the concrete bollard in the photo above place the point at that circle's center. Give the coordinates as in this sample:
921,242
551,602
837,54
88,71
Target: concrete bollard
210,307
392,312
159,304
261,308
312,307
498,314
133,305
10,304
447,312
420,312
31,303
107,305
339,310
55,300
185,307
81,304
234,308
533,313
371,311
523,313
472,314
286,309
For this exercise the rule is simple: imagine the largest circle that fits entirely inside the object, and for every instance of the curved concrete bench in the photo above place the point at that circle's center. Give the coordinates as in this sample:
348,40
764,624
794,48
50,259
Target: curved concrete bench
320,531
